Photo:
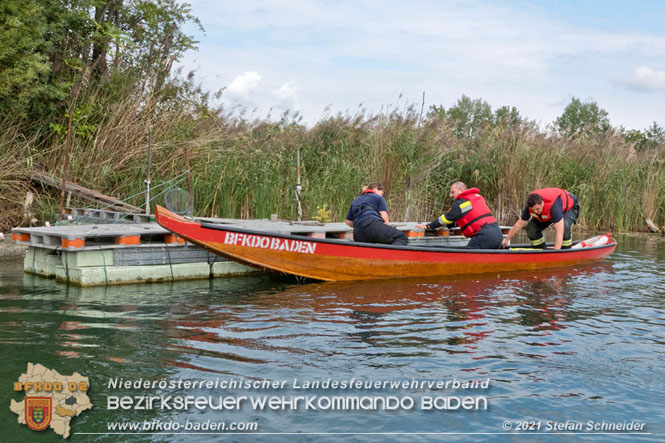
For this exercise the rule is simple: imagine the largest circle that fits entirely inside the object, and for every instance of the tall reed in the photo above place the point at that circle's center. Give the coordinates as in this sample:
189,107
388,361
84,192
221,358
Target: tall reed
248,168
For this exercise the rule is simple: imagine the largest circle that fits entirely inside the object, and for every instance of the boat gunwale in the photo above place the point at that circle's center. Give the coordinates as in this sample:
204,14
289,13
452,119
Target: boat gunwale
462,250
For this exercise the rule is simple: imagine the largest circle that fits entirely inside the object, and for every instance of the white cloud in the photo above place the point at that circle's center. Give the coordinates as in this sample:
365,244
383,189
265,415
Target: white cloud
286,97
244,84
346,52
646,79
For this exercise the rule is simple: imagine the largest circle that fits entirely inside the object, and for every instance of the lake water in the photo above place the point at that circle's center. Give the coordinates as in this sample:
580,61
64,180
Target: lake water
533,354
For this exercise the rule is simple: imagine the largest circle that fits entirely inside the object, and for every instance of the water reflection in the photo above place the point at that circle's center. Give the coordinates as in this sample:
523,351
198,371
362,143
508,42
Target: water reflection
586,339
255,321
408,317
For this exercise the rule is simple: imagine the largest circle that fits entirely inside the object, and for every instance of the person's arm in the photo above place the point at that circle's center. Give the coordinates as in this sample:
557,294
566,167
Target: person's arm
449,218
435,224
558,238
349,216
384,216
556,212
382,209
514,230
521,222
438,223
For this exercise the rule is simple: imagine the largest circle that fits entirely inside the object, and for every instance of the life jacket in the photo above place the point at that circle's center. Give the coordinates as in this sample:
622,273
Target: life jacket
549,196
478,216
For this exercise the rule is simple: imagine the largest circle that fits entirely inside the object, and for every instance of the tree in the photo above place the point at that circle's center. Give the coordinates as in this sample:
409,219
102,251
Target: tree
24,65
653,137
53,51
469,116
158,40
507,117
582,119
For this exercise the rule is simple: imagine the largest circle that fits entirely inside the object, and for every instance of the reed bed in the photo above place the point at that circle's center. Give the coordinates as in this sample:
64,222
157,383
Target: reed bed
247,169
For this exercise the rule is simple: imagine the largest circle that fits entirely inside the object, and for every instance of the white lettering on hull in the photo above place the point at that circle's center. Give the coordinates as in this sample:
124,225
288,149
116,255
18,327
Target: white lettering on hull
277,244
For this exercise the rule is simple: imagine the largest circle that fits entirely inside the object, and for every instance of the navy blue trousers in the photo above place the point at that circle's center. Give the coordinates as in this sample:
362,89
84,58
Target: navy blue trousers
534,229
375,231
489,237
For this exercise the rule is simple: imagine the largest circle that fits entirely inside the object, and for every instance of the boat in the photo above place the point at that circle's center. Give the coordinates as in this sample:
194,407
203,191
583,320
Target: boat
340,260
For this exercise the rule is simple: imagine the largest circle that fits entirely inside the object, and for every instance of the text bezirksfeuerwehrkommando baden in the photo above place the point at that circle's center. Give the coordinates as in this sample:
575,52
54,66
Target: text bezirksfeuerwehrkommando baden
337,394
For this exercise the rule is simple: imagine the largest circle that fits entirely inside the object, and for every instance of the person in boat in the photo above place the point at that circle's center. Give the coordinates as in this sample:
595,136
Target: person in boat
368,216
545,207
472,215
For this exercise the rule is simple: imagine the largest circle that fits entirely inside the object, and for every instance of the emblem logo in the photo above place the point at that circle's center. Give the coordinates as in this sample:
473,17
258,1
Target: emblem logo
38,412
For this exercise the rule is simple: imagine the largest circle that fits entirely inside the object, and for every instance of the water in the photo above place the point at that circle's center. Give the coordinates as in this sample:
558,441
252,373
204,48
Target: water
570,345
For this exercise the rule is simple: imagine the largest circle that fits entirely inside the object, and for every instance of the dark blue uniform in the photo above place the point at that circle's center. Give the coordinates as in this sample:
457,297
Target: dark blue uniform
368,226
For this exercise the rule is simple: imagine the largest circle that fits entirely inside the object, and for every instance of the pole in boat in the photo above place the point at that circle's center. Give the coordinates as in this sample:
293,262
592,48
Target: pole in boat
147,179
298,187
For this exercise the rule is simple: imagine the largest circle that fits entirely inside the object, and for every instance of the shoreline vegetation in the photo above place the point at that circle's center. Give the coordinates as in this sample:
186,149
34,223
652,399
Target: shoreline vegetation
88,84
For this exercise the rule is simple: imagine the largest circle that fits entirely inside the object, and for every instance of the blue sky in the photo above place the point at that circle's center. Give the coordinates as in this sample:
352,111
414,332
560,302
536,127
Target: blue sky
321,57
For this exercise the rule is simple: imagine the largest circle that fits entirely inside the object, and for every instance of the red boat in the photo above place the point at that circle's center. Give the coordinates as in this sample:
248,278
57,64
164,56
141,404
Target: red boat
336,260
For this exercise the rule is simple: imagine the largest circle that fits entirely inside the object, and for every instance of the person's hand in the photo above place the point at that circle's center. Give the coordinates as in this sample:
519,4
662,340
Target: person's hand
504,243
421,225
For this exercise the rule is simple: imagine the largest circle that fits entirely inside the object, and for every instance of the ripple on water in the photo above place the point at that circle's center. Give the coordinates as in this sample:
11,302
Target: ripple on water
581,343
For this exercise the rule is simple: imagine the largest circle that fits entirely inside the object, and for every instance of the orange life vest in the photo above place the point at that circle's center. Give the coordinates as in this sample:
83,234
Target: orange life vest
478,216
549,195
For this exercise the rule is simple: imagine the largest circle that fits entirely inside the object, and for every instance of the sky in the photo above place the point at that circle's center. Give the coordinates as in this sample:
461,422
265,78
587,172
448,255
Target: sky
322,57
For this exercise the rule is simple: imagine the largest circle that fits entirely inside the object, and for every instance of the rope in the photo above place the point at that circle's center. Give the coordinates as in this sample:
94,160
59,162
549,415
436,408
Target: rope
211,263
106,275
65,263
83,218
168,254
165,190
155,187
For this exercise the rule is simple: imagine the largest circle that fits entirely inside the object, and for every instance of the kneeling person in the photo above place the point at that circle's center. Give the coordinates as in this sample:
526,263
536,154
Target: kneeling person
545,207
368,216
473,216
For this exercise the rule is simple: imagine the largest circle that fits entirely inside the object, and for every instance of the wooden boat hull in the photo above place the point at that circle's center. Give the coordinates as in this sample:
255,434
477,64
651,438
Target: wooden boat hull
338,260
